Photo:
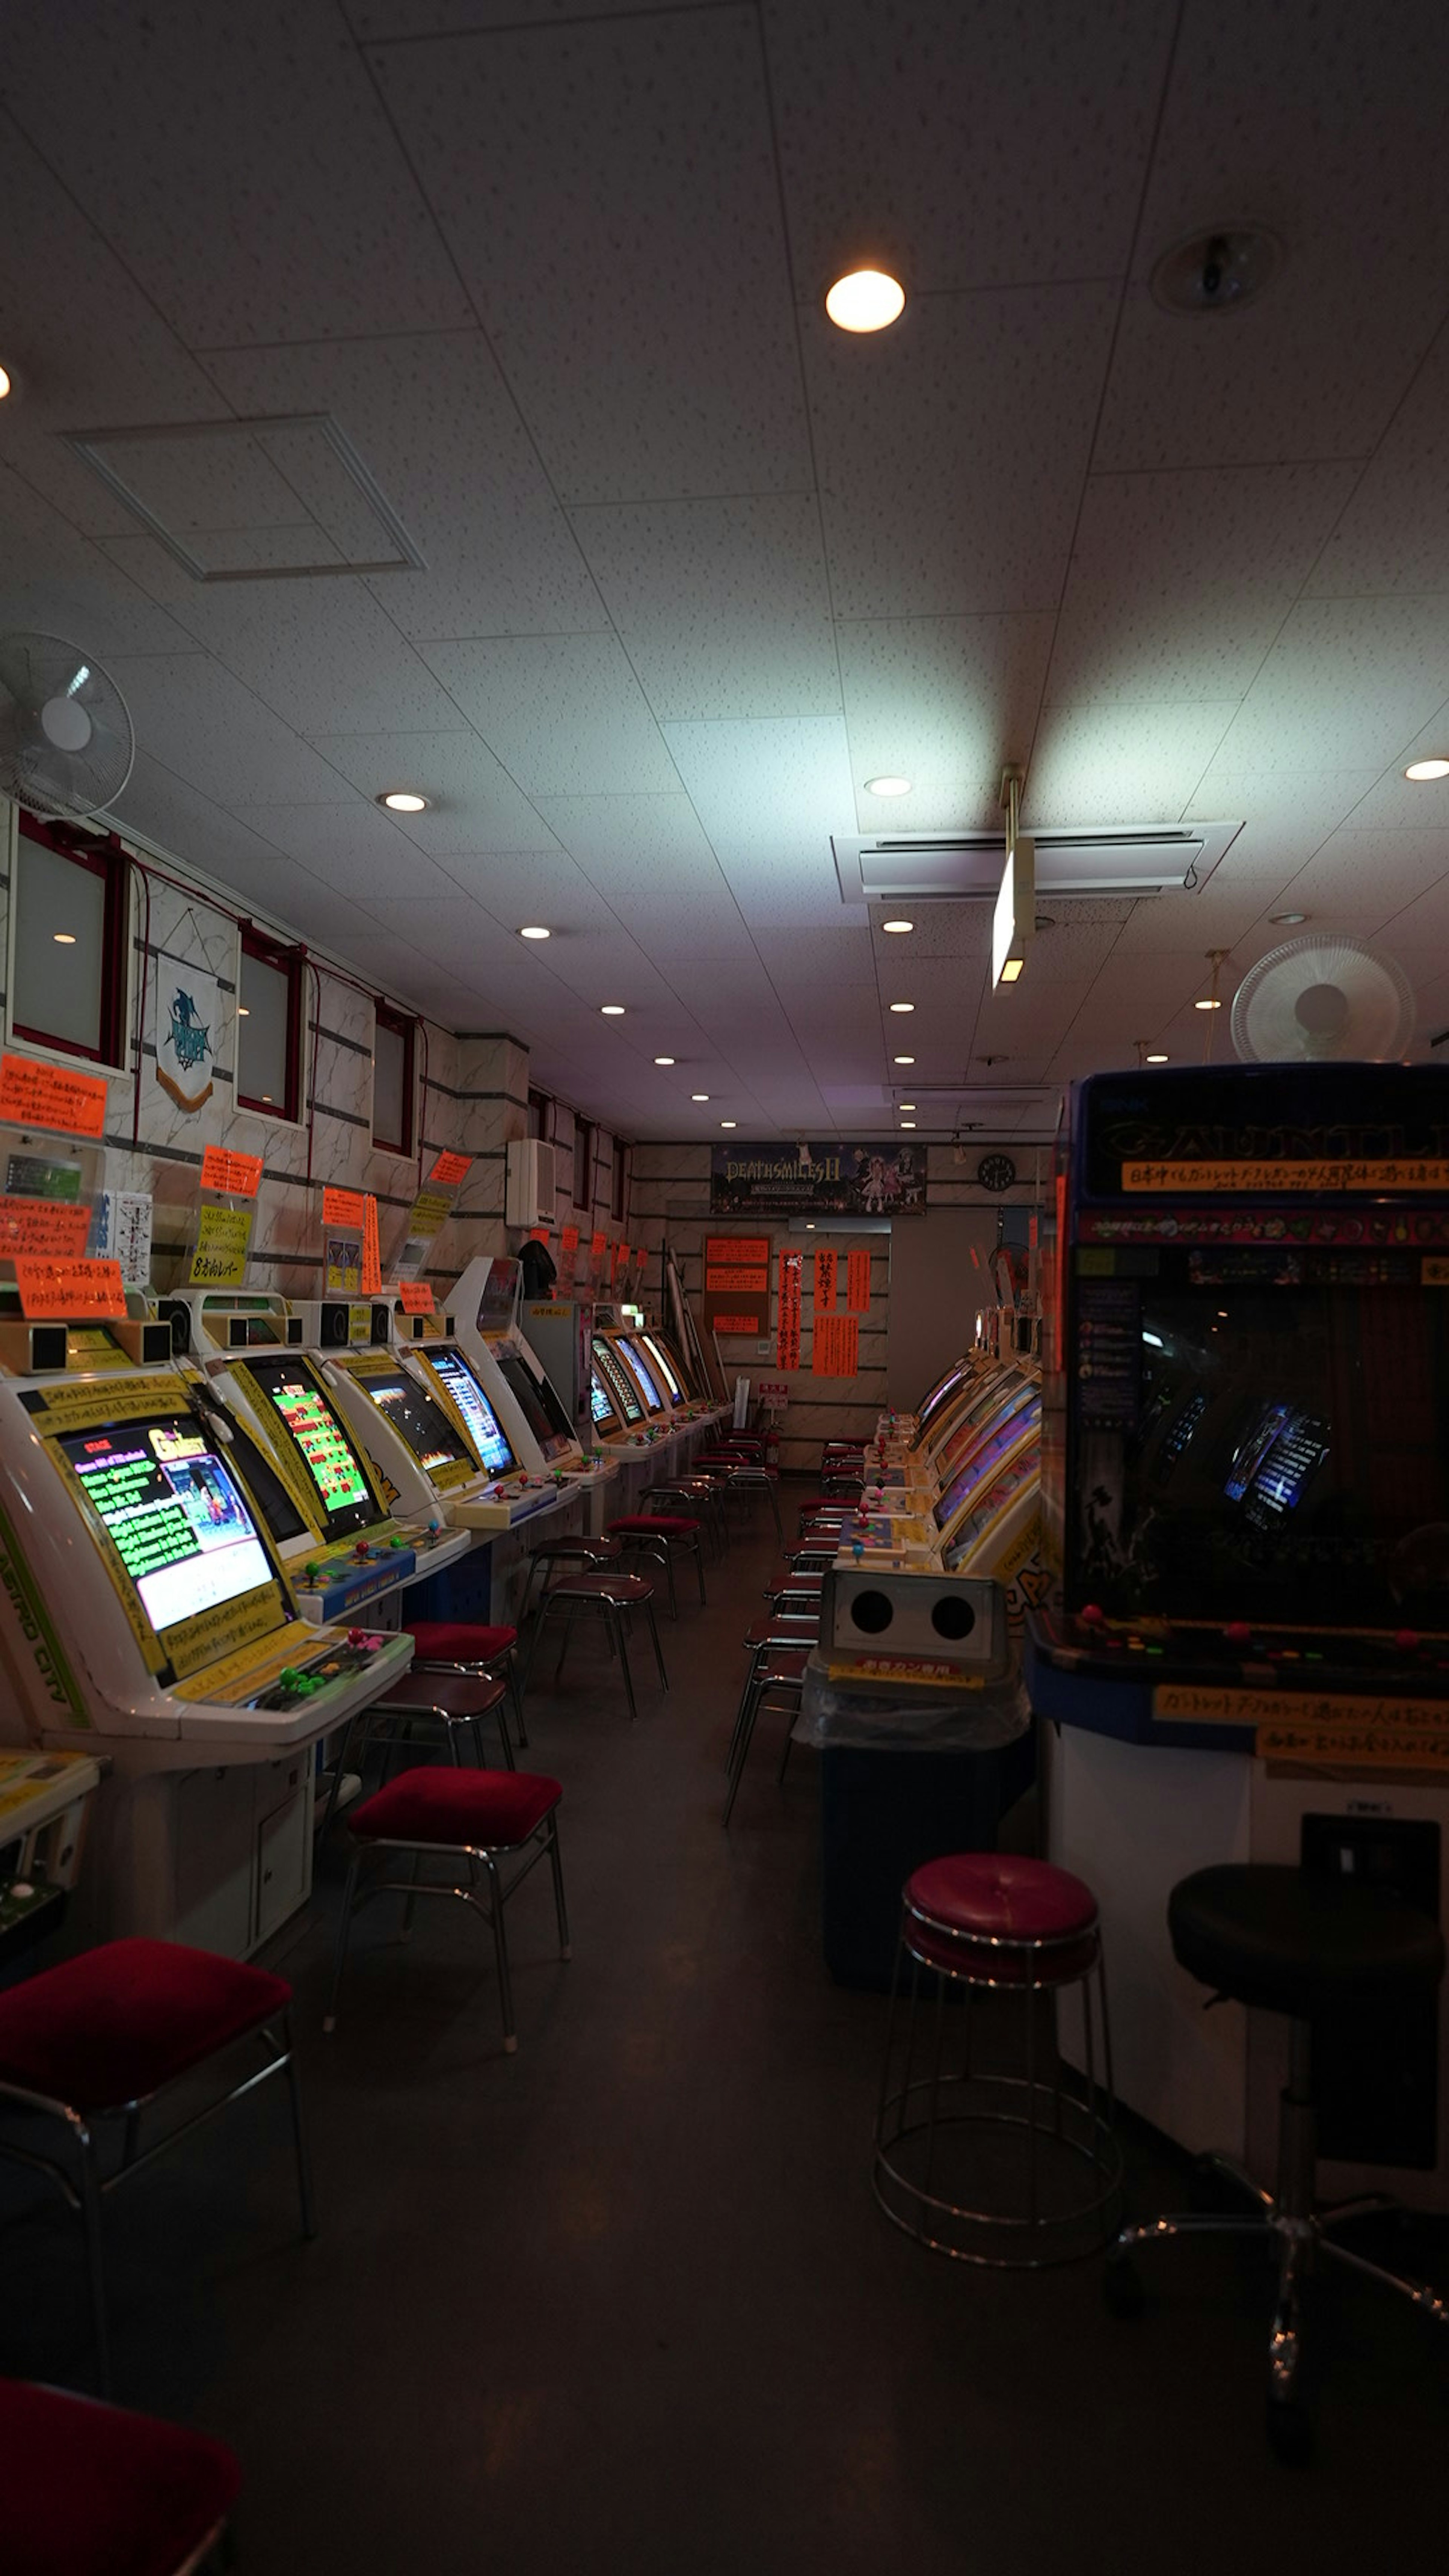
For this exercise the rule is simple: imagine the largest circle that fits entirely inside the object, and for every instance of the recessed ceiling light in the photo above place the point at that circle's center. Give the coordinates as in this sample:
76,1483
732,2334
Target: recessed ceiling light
1283,918
729,1122
1422,769
243,1011
1157,1059
810,1225
887,787
699,1095
1207,1004
1216,272
897,926
534,930
865,299
664,1059
905,1104
908,1122
612,1010
1011,971
903,1059
63,938
403,800
5,382
903,1006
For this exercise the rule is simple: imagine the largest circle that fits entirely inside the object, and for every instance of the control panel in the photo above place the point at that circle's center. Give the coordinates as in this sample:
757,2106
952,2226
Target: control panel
298,1682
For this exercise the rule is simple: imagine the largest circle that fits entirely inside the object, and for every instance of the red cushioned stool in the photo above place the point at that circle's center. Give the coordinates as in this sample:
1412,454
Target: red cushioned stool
663,1536
777,1675
467,1646
1000,2168
97,2038
92,2490
481,1817
584,1554
613,1598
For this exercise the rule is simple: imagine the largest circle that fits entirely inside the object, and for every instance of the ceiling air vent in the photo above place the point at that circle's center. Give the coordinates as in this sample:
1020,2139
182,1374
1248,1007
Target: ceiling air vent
964,867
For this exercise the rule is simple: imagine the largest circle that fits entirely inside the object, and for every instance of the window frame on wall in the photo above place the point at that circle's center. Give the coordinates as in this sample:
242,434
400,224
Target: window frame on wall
619,1181
584,1145
398,1024
541,1116
289,960
107,860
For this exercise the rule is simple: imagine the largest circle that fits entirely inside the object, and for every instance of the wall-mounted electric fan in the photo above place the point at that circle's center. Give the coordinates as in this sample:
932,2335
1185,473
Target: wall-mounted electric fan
1318,999
66,743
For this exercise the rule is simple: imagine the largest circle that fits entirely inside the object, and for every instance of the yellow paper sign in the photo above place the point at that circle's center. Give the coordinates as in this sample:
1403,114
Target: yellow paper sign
223,1239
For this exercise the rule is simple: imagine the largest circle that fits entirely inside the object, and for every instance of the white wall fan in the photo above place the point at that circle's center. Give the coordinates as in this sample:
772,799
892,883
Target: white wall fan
1323,999
66,741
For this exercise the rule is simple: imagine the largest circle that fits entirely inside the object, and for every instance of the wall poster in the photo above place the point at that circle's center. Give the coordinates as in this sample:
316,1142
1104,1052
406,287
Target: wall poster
737,1284
187,1019
787,1343
855,1180
857,1283
825,1269
835,1346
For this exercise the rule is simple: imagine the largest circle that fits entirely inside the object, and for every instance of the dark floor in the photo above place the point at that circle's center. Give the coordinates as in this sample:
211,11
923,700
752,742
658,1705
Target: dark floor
624,2301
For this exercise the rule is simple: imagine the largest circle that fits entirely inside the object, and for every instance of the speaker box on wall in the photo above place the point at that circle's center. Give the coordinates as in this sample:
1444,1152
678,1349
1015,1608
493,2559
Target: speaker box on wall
934,1618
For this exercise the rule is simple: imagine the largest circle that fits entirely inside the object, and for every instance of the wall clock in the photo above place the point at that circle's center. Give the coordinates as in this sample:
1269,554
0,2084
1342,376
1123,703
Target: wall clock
996,1171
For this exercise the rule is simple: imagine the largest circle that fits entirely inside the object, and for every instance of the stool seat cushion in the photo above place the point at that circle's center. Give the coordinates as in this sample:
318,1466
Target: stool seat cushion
625,1589
465,1695
784,1628
121,2020
437,1804
93,2490
1292,1942
653,1525
981,1964
1000,1896
781,1668
459,1641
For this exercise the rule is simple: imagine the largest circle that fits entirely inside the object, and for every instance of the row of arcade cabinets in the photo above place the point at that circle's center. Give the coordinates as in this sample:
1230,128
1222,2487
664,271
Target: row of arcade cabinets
1245,1651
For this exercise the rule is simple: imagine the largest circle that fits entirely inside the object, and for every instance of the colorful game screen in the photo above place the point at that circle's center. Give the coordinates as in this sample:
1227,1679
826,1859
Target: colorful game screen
327,1452
179,1524
483,1425
1021,1420
599,1400
1013,1399
940,1392
418,1421
617,1380
662,1364
640,1367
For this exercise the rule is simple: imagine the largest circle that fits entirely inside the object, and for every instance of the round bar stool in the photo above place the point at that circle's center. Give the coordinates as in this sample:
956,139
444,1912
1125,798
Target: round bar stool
469,1646
615,1598
1042,2167
662,1536
479,1817
803,1590
1318,1949
94,2490
779,1677
586,1554
455,1702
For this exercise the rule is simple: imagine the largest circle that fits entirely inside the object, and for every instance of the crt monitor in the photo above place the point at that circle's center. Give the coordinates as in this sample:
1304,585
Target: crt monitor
642,1371
418,1421
484,1429
1258,1437
499,1297
940,1393
600,1403
304,1411
662,1365
173,1514
619,1383
541,1408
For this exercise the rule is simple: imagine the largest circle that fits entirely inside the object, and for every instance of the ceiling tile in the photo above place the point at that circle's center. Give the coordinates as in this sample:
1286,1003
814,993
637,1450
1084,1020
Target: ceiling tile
351,846
945,702
1347,682
768,780
177,817
1332,143
207,728
1394,534
1118,762
723,605
564,713
951,453
301,218
1003,146
601,830
54,581
433,421
475,806
627,260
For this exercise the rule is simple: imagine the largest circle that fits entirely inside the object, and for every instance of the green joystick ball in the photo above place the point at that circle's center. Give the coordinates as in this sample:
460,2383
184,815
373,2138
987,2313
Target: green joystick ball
290,1678
397,1542
310,1575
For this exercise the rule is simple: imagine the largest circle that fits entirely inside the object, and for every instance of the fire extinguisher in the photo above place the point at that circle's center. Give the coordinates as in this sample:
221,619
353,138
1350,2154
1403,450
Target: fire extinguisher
772,1445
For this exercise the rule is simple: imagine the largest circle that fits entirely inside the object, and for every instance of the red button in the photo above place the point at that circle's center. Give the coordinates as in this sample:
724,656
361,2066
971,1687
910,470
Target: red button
1406,1639
1238,1633
1092,1616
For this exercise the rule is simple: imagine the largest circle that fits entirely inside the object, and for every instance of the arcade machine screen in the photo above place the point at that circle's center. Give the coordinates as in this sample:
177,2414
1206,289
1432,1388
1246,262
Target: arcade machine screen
616,1379
484,1428
640,1367
998,1494
1261,1437
600,1403
661,1366
326,1452
1012,1399
423,1425
537,1402
173,1514
500,1296
940,1394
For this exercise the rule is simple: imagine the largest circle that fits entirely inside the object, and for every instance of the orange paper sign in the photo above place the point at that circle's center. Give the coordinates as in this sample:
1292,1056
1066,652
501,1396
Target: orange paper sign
46,1095
450,1169
371,1257
416,1297
538,1234
68,1291
343,1208
825,1283
223,1170
857,1284
787,1331
568,1242
835,1346
596,1244
51,1228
